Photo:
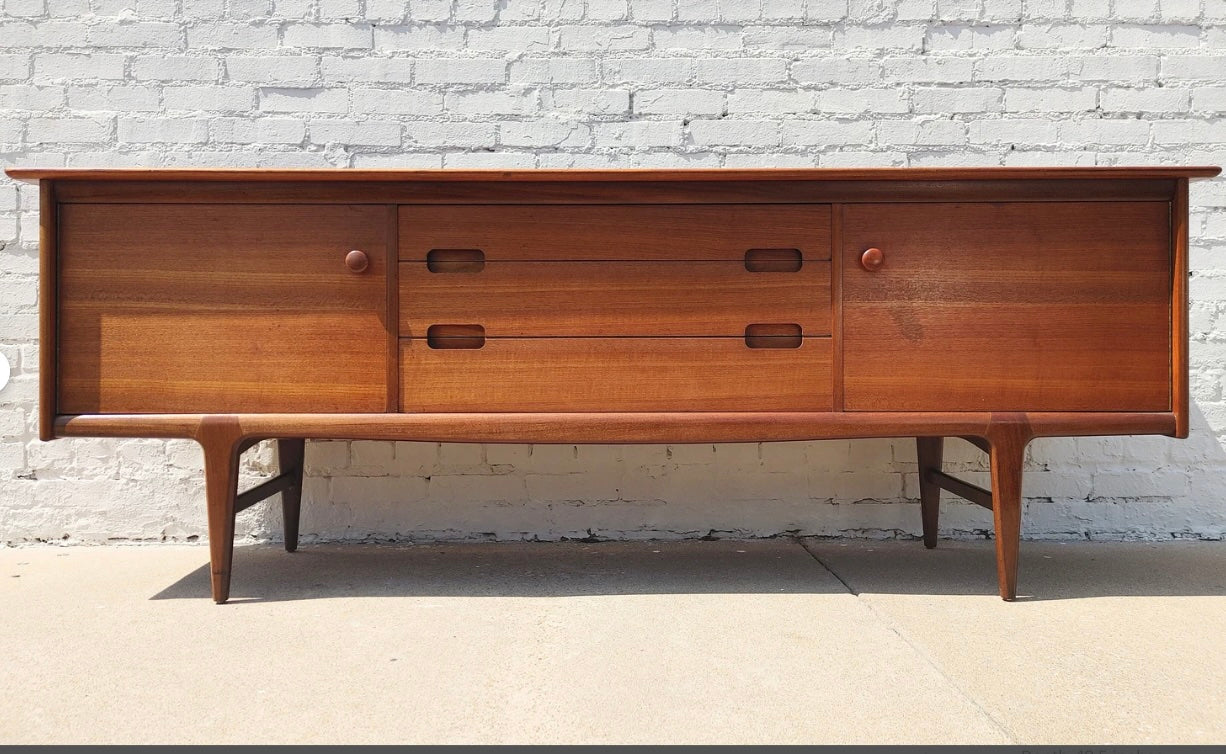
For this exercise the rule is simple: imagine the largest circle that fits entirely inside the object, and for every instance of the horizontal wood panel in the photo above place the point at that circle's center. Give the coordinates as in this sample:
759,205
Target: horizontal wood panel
616,374
614,298
156,362
711,175
600,192
622,232
623,427
1006,365
221,309
1052,307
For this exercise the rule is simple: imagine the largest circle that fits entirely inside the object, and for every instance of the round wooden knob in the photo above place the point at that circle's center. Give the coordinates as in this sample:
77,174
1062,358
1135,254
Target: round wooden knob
357,261
872,259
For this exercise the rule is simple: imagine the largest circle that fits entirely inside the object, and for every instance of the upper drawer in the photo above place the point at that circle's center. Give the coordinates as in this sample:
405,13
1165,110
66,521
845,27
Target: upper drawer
616,232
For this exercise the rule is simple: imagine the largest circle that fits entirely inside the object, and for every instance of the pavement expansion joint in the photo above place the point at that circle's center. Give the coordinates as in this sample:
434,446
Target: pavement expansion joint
917,648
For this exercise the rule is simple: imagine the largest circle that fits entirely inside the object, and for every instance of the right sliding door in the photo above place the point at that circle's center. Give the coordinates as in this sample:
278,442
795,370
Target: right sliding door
1014,306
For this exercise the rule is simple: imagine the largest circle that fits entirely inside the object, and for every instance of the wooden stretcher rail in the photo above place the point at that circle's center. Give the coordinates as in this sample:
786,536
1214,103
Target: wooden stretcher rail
609,428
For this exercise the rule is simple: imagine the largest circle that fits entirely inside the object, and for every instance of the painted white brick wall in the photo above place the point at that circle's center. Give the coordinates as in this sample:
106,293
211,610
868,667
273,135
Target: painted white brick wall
610,83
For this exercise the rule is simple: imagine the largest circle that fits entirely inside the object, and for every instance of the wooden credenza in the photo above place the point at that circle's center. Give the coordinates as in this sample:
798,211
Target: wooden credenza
994,305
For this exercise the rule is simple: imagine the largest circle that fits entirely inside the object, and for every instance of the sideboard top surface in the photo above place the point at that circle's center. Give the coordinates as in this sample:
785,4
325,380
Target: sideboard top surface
1155,172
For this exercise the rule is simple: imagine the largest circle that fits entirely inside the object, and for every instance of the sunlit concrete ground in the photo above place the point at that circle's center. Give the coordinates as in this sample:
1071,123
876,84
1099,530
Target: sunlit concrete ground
719,641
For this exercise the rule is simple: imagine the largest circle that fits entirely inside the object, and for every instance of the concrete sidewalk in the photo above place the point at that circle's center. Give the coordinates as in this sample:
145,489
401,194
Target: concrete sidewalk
764,641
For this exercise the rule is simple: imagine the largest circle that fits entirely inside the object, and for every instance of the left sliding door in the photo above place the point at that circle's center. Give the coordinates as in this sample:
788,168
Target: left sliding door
222,308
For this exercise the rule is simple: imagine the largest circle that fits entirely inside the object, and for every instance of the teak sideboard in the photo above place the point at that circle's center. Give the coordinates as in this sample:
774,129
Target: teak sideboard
614,306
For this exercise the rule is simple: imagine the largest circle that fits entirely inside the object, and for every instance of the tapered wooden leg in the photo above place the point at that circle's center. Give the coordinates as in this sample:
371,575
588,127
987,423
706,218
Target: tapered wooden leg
290,453
1007,449
220,438
929,451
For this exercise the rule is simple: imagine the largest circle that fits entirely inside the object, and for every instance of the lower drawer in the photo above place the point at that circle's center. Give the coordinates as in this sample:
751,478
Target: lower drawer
615,374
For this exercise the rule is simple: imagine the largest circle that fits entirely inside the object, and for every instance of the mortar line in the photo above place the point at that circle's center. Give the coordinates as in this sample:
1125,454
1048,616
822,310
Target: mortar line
918,649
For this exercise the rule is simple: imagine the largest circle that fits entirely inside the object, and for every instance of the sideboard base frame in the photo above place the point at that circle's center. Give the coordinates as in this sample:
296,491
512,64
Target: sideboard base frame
1004,436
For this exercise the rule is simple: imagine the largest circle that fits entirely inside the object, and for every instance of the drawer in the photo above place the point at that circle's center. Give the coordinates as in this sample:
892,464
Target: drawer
615,374
617,232
614,298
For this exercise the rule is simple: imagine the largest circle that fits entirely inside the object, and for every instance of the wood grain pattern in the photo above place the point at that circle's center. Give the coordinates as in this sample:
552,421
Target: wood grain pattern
392,335
1052,307
221,440
221,309
972,493
290,454
577,427
774,336
48,309
774,260
423,192
620,174
625,232
929,452
515,299
455,336
453,261
616,374
1008,437
836,302
1179,308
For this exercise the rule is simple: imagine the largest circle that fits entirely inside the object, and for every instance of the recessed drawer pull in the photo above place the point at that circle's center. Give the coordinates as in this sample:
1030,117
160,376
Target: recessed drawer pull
773,260
455,336
455,260
773,336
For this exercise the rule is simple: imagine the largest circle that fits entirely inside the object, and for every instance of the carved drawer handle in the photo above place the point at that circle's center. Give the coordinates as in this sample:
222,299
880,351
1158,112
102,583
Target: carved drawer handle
357,261
773,336
872,259
455,336
773,260
455,260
